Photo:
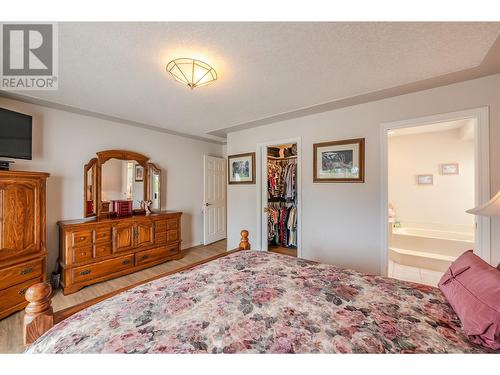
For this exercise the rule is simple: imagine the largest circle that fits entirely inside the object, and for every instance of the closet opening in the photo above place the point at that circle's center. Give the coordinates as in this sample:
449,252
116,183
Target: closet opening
281,209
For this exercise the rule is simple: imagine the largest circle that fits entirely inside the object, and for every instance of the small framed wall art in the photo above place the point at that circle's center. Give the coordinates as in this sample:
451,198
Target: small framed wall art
450,168
241,168
425,179
339,161
139,173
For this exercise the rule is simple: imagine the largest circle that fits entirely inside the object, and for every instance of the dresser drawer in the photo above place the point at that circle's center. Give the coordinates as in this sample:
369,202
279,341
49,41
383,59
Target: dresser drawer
81,238
172,224
102,250
15,294
153,255
103,234
161,226
107,267
20,273
161,238
82,254
172,235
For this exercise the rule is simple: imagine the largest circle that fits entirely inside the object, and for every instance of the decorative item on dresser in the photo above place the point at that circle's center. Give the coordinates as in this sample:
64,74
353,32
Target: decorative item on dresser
94,250
22,236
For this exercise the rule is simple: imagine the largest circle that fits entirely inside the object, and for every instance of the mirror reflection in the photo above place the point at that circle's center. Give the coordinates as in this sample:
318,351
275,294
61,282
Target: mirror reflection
90,192
122,180
90,188
154,184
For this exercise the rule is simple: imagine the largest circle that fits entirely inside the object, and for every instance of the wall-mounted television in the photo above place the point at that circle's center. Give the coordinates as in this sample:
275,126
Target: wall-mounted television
15,134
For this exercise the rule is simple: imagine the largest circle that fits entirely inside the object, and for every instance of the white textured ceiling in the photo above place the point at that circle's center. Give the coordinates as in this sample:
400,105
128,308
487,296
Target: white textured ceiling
118,69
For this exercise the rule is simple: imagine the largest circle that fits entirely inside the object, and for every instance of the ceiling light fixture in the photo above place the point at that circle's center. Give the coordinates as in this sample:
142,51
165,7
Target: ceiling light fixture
191,72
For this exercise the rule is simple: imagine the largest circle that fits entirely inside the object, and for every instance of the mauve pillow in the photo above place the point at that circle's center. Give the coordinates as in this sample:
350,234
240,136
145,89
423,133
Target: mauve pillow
472,288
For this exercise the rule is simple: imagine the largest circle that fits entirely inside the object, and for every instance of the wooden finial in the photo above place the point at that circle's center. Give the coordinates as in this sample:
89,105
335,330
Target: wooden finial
39,316
244,244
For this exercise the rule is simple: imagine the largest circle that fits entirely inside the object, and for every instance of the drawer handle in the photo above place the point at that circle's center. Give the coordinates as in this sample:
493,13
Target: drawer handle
126,261
22,291
145,256
86,272
26,271
82,238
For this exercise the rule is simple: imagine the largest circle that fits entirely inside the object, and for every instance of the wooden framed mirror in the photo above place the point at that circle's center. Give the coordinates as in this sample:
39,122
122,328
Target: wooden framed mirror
154,186
90,188
117,181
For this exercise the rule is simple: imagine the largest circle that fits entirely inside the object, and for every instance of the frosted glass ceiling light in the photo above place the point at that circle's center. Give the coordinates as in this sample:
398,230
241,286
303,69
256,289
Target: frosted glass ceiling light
191,72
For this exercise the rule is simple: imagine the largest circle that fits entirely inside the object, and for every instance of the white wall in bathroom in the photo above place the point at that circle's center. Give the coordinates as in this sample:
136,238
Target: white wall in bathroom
446,200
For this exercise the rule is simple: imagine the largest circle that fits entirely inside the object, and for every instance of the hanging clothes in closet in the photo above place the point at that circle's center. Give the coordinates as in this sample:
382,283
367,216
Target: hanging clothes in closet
282,224
281,179
282,194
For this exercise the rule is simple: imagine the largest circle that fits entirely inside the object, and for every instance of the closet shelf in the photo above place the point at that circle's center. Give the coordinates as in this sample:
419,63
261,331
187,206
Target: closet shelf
284,158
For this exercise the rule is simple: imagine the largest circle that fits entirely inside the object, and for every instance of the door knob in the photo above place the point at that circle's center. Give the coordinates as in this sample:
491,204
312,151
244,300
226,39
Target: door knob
208,204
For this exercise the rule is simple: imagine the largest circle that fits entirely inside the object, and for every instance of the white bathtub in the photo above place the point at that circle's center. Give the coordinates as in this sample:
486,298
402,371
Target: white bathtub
433,248
437,234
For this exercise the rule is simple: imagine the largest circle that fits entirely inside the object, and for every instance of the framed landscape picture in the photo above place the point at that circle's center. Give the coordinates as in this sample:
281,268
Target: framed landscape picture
425,179
241,168
339,161
451,168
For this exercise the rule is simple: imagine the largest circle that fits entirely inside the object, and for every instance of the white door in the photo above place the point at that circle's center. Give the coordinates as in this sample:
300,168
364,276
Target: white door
214,198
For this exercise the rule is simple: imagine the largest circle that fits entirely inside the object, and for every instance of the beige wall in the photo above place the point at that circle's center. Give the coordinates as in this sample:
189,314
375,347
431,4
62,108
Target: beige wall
342,222
63,142
446,200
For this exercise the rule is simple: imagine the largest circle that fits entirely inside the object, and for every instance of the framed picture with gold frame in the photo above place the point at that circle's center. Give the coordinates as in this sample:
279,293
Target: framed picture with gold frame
241,168
339,161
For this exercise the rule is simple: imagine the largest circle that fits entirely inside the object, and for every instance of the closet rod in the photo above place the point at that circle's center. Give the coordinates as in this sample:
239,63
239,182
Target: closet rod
278,158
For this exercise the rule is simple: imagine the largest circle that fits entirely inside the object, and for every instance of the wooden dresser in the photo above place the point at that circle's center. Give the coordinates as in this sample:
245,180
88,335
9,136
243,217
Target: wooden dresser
22,236
94,250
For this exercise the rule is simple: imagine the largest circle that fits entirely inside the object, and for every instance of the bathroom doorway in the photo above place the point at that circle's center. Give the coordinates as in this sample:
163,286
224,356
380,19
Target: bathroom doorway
434,170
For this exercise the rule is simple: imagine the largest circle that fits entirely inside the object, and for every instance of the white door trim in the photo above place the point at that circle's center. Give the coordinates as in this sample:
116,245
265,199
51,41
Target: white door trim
261,182
481,166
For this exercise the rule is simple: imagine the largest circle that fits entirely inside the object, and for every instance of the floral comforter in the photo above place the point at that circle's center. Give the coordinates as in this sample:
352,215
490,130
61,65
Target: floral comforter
260,302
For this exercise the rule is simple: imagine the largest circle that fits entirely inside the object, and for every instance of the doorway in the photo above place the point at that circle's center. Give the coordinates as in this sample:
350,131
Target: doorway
214,199
434,169
279,203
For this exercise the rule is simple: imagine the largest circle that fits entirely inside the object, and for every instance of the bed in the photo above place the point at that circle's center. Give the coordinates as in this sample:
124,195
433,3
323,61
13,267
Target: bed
261,302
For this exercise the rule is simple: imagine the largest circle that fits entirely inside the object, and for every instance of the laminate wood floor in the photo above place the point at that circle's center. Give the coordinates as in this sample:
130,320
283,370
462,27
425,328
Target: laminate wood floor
11,328
284,250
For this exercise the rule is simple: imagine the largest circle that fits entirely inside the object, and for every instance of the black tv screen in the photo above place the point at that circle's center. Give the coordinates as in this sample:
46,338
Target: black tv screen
15,134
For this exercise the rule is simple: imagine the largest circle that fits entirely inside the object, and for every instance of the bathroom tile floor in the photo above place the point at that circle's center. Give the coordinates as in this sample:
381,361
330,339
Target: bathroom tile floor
414,274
